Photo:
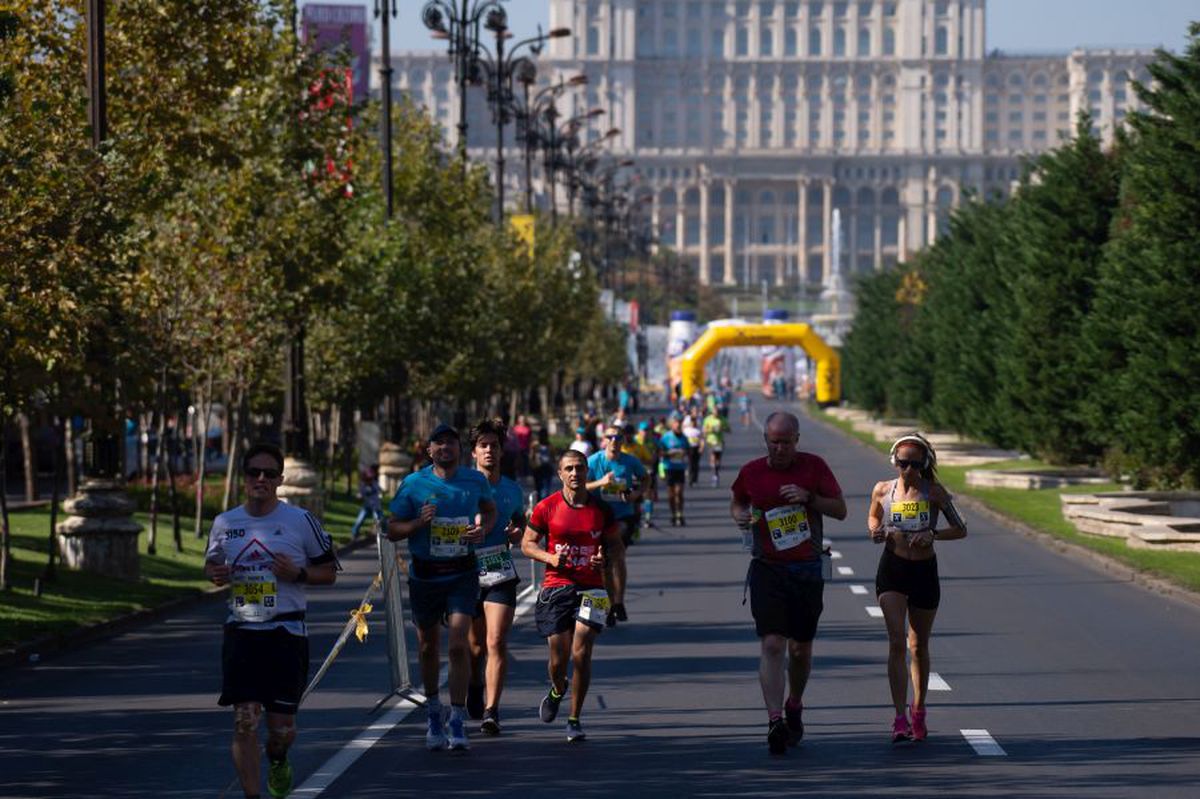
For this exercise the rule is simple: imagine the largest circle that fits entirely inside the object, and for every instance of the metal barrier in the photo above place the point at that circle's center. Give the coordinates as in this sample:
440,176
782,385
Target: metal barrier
392,568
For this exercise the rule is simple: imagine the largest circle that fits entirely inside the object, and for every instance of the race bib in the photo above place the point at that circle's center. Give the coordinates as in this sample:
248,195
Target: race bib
911,516
593,606
446,536
677,456
788,526
252,595
615,487
495,565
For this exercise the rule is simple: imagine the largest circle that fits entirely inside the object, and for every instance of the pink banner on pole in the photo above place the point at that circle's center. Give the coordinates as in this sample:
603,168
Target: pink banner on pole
328,27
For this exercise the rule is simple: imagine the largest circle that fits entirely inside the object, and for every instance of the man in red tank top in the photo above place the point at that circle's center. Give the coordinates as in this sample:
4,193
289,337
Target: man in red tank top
785,496
580,533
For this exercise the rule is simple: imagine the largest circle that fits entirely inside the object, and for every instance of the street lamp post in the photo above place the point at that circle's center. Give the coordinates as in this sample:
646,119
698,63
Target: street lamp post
500,68
385,75
529,111
557,138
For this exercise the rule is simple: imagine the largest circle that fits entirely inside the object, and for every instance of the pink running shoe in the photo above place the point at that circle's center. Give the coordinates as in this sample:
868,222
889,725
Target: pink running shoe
919,730
900,730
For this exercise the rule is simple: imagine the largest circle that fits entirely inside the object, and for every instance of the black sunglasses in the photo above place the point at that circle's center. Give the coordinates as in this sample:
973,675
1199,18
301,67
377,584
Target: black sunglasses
907,464
254,471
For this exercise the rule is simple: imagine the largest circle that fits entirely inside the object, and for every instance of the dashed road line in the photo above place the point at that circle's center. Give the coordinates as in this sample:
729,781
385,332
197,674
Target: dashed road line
845,571
858,589
874,611
936,683
983,743
835,555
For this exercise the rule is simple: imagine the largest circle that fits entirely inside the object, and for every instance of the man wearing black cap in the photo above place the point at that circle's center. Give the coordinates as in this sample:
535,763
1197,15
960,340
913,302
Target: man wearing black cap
443,512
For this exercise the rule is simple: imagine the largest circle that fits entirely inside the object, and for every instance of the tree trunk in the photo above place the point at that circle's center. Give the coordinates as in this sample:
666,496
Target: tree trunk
205,406
155,466
5,543
48,574
69,453
145,422
176,511
233,423
27,458
349,445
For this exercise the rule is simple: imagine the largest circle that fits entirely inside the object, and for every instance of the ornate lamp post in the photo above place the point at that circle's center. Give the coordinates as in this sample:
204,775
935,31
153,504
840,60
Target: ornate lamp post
529,111
559,137
385,73
498,69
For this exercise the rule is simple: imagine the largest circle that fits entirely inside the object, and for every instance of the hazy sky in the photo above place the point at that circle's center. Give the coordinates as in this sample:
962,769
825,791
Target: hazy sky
1013,25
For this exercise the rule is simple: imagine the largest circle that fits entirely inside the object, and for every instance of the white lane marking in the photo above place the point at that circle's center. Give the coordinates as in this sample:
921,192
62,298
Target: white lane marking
983,743
835,555
827,541
858,589
845,571
936,683
874,611
335,766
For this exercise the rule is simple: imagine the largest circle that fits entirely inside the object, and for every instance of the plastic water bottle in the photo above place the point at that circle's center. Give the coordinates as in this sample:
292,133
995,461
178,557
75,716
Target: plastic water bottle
747,531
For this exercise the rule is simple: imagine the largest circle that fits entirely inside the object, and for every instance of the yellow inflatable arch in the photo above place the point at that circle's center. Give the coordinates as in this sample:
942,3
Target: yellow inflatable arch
714,339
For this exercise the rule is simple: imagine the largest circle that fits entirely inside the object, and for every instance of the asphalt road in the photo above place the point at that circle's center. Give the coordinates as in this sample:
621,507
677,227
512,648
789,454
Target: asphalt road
1086,684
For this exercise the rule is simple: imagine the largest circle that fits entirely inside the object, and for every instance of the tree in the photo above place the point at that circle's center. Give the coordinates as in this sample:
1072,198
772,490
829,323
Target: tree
1143,328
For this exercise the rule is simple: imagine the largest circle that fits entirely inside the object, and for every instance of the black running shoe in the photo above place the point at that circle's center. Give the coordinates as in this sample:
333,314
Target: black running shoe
475,701
610,620
549,707
682,523
795,723
619,611
491,721
777,737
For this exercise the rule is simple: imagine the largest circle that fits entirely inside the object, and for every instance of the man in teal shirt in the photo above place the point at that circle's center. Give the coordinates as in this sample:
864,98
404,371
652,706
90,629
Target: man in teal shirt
620,480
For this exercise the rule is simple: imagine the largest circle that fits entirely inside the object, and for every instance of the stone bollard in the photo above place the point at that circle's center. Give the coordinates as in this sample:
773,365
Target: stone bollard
99,534
394,466
302,487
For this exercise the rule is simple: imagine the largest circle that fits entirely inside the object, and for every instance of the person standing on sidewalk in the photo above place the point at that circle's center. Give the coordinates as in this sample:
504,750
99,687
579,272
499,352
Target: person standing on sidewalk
580,533
621,480
498,580
268,552
903,515
443,511
785,496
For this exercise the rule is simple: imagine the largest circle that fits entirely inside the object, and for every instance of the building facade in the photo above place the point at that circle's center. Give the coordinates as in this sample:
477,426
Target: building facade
750,121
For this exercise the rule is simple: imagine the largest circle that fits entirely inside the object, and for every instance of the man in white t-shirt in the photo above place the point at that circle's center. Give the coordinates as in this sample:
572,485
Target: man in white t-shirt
267,552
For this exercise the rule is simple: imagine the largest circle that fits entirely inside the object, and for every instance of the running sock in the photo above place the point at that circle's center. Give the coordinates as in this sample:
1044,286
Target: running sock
774,715
554,694
458,712
572,719
434,705
793,703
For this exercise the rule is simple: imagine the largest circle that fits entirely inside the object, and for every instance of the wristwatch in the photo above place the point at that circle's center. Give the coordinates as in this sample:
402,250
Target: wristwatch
302,577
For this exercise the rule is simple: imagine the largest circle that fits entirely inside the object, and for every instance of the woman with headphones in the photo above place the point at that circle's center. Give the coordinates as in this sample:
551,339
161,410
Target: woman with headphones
903,517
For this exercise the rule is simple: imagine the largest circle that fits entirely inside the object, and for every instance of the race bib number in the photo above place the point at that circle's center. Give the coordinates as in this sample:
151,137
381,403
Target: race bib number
677,456
252,596
446,536
788,526
593,606
615,487
911,516
495,565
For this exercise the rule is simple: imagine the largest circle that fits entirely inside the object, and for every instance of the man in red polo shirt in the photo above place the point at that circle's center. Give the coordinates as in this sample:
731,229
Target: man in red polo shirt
784,496
580,533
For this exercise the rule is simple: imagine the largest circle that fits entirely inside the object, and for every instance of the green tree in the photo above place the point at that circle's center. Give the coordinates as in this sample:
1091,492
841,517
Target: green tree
870,349
1144,327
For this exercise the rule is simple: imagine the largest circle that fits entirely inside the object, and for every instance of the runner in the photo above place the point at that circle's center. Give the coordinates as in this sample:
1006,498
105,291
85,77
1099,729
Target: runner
269,551
621,480
715,427
785,496
581,534
674,467
581,444
443,511
369,493
497,580
642,445
743,401
903,516
695,439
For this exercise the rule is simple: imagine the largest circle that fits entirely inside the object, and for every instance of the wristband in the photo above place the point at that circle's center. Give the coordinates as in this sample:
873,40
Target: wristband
302,577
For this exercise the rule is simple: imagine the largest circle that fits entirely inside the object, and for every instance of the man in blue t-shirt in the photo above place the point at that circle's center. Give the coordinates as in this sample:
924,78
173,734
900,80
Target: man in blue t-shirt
497,579
674,447
443,511
620,479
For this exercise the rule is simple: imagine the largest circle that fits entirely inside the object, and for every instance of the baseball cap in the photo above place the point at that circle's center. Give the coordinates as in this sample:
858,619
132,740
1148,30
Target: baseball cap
643,425
441,430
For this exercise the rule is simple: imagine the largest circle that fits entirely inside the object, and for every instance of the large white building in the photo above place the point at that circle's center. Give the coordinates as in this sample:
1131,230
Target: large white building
750,121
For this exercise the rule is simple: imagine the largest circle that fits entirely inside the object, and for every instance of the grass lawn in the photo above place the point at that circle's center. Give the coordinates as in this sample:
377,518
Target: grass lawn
74,599
1041,509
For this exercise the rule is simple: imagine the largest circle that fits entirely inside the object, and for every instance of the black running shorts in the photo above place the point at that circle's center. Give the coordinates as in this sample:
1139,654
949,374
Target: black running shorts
556,609
676,477
265,666
504,593
783,602
916,579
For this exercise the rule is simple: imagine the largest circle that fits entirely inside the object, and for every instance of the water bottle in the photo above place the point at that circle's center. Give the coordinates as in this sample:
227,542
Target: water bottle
747,531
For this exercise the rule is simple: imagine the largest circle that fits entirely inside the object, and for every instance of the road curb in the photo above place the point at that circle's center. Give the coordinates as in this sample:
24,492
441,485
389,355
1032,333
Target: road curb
1081,554
33,652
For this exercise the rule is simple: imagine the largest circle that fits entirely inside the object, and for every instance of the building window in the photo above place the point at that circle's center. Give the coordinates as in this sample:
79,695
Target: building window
865,8
593,39
942,8
889,41
864,41
717,45
1039,116
839,10
814,42
791,10
889,9
766,42
789,41
816,9
694,46
766,10
743,42
941,41
743,8
1015,118
839,41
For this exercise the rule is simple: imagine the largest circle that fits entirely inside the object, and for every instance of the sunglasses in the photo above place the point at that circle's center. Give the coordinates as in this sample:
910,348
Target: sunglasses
901,463
255,472
613,437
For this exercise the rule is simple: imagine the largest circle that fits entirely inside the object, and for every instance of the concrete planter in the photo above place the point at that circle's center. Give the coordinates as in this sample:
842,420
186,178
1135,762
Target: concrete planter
99,534
1144,519
1032,480
394,466
302,487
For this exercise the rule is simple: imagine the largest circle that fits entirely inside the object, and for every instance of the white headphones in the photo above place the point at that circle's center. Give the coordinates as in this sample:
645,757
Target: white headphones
915,437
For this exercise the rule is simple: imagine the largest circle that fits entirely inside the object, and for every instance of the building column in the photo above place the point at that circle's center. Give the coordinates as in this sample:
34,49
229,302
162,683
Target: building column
827,227
902,237
730,277
704,254
656,214
852,237
878,264
680,219
802,232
